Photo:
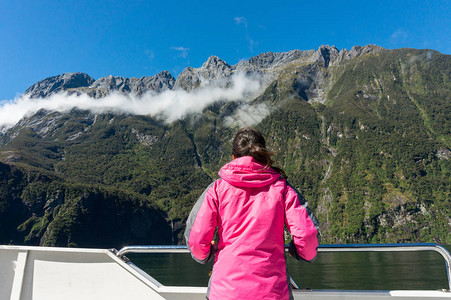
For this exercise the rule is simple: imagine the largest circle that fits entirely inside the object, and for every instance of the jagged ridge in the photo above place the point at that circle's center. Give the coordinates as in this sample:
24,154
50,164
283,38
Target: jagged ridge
214,71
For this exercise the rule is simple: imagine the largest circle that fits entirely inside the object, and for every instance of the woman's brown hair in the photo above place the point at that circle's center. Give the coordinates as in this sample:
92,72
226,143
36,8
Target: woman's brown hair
250,142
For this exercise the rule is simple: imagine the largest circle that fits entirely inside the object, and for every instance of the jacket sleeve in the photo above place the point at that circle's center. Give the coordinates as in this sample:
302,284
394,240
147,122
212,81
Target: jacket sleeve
201,225
301,226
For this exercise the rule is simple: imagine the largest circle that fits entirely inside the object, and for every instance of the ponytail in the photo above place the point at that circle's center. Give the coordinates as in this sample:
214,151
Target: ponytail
250,142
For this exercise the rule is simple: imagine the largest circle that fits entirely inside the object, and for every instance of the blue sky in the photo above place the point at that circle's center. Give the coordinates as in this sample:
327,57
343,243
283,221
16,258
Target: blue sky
39,39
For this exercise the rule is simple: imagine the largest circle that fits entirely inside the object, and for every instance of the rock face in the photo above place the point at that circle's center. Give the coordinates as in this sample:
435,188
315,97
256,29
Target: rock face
138,86
272,60
358,51
214,71
55,84
82,83
326,55
265,67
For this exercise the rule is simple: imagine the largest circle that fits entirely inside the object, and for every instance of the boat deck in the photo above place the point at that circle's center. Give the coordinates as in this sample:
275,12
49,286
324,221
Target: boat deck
72,273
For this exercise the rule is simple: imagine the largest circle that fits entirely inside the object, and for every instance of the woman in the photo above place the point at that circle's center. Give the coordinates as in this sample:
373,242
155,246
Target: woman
249,205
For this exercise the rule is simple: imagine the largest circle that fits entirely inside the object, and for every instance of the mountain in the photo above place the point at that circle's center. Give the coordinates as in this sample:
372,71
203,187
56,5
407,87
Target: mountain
364,134
60,83
83,83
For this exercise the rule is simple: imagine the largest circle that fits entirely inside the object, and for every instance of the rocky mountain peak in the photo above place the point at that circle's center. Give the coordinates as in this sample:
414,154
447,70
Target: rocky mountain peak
165,74
357,51
82,83
138,86
271,60
161,82
214,71
327,54
59,83
112,83
215,62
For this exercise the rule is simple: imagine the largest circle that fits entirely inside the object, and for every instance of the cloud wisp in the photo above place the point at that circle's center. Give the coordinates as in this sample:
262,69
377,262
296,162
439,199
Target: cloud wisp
182,50
248,115
169,105
150,54
242,20
399,36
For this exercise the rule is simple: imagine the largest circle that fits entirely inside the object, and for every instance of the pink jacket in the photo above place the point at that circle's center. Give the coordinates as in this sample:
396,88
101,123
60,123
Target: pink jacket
250,206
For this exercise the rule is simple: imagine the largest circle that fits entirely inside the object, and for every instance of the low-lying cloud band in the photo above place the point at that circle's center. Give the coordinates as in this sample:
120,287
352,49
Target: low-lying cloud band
169,105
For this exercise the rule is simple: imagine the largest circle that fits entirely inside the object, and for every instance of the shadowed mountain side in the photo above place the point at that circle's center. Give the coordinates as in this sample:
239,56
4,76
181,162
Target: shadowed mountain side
36,209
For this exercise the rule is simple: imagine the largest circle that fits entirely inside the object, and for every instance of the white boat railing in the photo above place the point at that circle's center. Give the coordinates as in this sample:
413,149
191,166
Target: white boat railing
321,248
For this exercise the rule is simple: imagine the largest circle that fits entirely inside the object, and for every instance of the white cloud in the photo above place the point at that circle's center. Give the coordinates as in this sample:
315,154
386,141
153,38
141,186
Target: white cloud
399,36
170,105
150,54
183,51
242,20
248,115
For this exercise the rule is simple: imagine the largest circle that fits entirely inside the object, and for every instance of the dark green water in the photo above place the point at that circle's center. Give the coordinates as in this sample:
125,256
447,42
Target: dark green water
424,270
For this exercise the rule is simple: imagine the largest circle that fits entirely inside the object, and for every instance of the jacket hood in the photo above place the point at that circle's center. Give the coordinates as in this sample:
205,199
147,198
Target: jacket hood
245,171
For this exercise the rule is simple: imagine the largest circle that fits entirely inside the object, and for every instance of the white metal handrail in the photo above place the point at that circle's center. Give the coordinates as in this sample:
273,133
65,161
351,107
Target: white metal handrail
321,248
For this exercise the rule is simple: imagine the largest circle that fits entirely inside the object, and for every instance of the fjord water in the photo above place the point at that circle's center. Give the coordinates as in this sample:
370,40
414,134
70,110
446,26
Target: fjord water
424,270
